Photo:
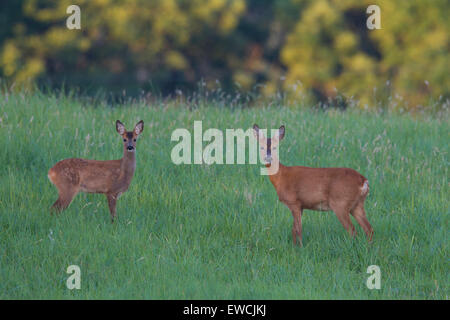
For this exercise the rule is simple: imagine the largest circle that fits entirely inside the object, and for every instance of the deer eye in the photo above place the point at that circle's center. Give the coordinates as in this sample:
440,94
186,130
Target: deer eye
134,140
124,140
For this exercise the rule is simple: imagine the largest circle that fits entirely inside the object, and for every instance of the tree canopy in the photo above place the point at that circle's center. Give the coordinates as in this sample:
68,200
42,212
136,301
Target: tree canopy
319,48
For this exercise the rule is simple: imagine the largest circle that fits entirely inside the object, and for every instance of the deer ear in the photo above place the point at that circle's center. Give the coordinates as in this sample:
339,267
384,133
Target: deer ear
258,133
256,130
281,132
139,128
120,127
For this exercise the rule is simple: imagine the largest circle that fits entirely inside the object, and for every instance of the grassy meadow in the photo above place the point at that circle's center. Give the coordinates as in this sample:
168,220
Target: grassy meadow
219,231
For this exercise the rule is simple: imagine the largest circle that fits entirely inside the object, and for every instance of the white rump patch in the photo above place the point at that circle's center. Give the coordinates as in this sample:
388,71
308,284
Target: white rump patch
365,187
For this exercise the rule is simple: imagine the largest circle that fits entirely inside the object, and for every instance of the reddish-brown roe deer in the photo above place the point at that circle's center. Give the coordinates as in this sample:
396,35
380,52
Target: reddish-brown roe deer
111,177
341,190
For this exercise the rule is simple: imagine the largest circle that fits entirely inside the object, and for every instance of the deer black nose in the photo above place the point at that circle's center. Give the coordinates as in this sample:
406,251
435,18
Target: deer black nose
130,147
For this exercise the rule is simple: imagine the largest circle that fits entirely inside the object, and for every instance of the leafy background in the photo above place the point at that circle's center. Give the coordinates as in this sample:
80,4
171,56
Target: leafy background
315,49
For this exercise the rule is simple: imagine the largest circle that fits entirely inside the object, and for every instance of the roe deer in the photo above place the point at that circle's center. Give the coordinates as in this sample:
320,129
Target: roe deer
111,177
341,190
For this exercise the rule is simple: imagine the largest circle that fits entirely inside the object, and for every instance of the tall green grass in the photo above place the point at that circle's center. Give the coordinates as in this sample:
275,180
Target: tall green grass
219,231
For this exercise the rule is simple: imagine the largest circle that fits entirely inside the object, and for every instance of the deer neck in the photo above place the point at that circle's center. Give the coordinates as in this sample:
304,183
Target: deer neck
128,163
275,175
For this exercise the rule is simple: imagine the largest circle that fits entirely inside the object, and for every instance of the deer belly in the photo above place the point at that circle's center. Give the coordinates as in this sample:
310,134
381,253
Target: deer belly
94,185
322,206
318,206
92,188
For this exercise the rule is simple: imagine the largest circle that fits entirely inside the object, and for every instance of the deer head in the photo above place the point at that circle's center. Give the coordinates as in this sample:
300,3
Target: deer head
129,137
268,146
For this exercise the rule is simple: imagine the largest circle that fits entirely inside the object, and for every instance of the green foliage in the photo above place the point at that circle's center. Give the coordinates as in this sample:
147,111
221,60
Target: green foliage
121,42
219,231
318,49
330,49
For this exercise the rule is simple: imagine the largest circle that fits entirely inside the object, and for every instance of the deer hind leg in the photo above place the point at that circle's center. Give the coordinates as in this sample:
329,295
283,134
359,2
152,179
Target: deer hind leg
360,215
296,210
112,199
66,194
343,214
67,183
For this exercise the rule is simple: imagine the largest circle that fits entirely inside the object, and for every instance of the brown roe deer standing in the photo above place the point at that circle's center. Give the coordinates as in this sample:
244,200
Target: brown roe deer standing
342,190
111,177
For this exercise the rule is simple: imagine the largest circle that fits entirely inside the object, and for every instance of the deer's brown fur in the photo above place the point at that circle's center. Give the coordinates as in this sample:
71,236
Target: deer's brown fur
342,190
111,177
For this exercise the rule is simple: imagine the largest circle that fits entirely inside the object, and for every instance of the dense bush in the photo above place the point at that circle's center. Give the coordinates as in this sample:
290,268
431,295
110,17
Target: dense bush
321,49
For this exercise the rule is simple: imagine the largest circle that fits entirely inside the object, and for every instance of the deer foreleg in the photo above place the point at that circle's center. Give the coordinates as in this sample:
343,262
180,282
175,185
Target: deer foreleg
296,210
112,199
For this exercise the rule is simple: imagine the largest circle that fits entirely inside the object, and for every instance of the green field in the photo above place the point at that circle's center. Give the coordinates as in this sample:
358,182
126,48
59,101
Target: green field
219,232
